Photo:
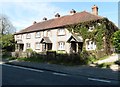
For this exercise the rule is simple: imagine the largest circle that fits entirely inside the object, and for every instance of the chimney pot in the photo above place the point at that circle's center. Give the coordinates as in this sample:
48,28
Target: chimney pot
57,15
72,11
44,18
34,22
95,10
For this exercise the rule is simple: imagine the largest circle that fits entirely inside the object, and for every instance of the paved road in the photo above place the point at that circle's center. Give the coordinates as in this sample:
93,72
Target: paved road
14,75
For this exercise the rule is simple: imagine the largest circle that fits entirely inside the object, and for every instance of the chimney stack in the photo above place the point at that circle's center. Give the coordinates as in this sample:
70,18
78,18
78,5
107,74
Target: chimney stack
44,18
72,12
95,10
34,22
57,15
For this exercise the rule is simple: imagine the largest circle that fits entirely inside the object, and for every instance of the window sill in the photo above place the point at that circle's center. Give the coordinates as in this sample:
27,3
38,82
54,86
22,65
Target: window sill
37,49
61,35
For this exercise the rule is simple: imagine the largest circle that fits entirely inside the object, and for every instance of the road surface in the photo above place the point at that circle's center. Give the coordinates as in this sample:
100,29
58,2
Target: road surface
16,75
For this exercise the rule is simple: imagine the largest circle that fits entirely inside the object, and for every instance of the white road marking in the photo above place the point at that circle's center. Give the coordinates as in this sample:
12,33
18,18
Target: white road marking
101,80
24,68
61,74
1,62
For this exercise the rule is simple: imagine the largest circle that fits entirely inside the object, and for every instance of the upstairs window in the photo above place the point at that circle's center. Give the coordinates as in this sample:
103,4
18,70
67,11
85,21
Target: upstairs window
61,45
19,36
28,36
37,34
27,45
49,33
90,45
91,28
37,45
61,32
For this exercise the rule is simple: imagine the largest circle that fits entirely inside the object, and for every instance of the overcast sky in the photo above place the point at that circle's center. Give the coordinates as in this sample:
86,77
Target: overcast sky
22,14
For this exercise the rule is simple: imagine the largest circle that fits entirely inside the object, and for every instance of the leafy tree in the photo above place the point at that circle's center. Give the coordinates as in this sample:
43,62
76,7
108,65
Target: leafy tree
7,43
6,30
116,41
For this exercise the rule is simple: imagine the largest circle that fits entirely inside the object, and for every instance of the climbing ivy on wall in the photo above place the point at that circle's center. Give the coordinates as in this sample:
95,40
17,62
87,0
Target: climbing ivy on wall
102,33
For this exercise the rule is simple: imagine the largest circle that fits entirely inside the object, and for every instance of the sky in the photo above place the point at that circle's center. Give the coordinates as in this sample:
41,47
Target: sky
23,13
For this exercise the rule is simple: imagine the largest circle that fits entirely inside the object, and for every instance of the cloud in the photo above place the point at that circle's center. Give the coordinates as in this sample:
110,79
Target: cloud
22,14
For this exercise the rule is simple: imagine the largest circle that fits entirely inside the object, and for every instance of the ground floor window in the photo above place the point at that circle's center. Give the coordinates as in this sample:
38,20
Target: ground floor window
61,45
27,45
90,45
37,45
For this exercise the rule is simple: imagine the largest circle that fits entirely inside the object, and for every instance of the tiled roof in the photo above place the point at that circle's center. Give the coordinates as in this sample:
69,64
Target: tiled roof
61,21
75,38
46,40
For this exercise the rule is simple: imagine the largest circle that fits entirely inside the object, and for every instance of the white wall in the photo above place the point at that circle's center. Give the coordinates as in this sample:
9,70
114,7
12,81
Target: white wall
54,39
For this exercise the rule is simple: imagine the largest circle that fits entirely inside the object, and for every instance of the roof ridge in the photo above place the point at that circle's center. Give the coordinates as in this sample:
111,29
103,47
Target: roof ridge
82,16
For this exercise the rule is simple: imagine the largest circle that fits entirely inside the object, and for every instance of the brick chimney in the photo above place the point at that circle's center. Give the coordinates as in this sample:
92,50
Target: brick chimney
34,22
44,18
72,12
57,15
95,10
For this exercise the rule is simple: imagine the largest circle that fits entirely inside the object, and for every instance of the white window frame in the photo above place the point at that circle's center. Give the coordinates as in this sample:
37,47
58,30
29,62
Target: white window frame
49,33
28,36
61,32
91,28
37,45
37,34
28,45
90,45
19,36
61,45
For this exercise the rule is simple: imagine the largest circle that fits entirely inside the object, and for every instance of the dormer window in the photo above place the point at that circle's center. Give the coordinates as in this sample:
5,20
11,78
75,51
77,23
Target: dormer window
61,32
91,28
28,36
37,35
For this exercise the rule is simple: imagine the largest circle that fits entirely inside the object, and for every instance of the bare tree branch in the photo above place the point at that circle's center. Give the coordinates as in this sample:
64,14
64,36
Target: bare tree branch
6,26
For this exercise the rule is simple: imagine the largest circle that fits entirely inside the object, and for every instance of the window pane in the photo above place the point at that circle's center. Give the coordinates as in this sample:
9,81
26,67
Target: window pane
61,31
27,36
37,45
61,46
27,45
37,34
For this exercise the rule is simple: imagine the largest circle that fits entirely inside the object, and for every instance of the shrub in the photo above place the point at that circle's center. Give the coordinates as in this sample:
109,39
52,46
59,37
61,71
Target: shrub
29,50
116,41
86,57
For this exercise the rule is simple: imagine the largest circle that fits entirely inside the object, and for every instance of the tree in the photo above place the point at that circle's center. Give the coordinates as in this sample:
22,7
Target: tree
6,34
7,42
116,41
6,26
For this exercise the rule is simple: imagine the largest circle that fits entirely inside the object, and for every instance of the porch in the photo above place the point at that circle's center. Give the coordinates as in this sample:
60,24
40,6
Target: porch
46,44
76,44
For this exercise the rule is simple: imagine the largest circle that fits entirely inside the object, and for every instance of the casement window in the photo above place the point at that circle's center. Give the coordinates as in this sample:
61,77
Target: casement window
37,45
61,32
28,36
37,35
99,24
19,36
49,33
91,28
27,45
90,45
61,45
